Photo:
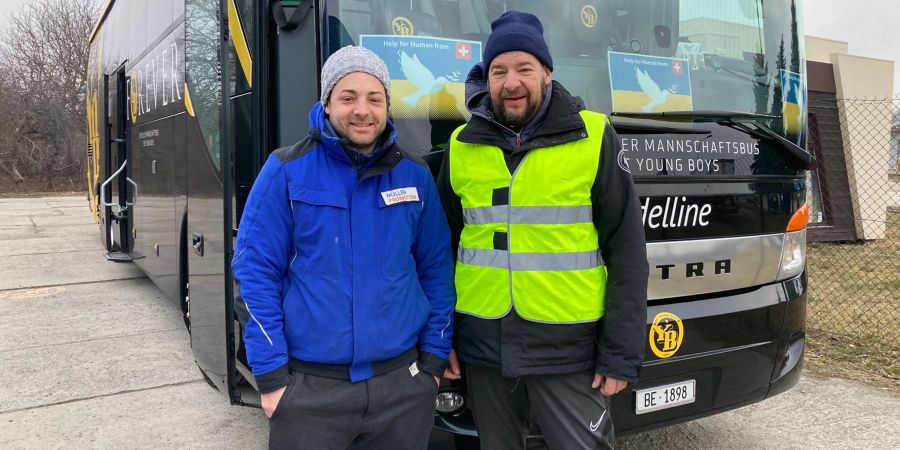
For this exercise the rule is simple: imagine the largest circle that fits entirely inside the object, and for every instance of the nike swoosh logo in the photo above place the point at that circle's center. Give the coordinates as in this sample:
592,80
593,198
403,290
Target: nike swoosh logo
594,426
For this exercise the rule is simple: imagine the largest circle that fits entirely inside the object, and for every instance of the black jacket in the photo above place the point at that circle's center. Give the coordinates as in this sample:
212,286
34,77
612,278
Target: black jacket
614,346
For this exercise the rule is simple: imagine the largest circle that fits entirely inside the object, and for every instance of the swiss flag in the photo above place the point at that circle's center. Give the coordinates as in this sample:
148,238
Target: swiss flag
463,50
677,67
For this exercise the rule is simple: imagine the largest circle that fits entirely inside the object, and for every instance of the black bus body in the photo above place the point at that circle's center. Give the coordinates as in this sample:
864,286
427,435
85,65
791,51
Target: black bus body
187,98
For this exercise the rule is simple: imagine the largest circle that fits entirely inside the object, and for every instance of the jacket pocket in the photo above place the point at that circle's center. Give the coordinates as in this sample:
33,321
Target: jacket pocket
322,225
317,197
399,209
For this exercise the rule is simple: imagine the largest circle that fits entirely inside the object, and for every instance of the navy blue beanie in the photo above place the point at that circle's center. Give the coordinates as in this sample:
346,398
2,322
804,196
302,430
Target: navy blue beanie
517,31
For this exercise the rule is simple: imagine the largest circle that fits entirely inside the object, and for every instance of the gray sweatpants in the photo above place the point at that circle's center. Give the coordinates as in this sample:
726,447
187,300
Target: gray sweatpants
570,414
391,411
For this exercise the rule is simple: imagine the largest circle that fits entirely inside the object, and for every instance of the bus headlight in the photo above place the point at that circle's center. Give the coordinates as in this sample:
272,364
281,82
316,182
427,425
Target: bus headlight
448,402
793,254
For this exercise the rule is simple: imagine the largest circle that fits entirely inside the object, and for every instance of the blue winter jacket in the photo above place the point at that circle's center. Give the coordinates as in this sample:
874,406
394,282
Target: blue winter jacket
342,262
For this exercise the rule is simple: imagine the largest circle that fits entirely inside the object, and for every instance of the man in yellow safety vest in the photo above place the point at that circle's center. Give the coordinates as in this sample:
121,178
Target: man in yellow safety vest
551,264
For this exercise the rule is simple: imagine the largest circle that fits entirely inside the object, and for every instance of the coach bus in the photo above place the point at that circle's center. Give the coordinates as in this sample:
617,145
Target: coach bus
186,98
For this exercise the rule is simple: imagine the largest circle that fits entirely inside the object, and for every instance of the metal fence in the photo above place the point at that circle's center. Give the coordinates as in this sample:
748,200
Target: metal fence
854,284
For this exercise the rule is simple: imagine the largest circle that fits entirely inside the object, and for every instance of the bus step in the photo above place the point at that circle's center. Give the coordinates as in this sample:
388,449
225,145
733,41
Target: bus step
118,257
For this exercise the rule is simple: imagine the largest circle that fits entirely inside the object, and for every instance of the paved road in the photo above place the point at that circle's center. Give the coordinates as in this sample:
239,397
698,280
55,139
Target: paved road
92,356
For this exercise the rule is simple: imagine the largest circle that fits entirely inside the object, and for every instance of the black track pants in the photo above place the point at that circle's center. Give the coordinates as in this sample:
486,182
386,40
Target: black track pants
570,414
393,411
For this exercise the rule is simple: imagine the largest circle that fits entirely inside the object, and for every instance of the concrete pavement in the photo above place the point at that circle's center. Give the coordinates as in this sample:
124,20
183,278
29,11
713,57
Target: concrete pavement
93,356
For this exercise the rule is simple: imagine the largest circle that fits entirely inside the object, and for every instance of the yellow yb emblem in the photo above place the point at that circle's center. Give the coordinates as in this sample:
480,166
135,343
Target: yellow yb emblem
402,26
666,334
134,97
589,16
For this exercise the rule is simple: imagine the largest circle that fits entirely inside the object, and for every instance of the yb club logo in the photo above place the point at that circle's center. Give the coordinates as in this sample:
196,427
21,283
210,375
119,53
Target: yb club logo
666,334
402,26
589,16
133,93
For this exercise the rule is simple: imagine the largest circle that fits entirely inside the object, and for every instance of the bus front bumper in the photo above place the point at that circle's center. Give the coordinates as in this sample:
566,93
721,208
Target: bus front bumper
738,349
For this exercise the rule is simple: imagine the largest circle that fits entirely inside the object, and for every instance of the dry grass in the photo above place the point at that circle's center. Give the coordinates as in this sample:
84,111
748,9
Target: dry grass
34,187
853,315
847,357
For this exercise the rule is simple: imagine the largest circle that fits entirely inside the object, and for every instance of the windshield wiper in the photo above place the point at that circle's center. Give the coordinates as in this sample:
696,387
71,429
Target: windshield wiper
639,125
737,120
711,115
805,158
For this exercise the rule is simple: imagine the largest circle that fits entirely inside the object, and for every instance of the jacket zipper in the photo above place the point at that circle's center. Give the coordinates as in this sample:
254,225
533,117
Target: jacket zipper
518,135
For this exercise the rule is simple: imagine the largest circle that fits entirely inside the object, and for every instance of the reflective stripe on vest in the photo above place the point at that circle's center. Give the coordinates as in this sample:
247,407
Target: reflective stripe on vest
528,239
528,214
529,261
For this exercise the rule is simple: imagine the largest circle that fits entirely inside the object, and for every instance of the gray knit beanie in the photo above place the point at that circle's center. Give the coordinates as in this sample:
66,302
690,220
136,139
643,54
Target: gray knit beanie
353,59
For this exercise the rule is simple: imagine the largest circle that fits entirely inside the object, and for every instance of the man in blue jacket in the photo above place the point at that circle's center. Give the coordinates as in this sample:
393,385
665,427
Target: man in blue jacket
344,264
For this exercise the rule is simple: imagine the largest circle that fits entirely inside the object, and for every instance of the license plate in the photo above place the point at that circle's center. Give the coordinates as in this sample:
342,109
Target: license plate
662,397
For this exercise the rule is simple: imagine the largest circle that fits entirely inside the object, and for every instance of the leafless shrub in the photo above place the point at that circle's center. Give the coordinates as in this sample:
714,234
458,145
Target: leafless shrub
43,70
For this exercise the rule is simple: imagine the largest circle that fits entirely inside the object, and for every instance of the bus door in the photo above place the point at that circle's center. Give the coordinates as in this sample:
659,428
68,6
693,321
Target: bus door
118,192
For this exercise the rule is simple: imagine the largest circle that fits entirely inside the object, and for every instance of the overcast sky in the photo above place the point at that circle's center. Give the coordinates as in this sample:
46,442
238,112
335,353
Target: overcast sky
869,26
8,6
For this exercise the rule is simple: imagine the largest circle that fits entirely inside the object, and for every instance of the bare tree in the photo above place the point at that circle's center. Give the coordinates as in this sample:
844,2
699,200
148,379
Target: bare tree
43,71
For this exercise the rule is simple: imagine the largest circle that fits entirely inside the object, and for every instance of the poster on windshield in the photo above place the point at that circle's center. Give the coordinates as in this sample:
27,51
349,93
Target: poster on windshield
428,74
643,83
792,105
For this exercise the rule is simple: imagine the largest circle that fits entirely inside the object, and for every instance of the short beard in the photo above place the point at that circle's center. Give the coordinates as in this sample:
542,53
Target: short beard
531,110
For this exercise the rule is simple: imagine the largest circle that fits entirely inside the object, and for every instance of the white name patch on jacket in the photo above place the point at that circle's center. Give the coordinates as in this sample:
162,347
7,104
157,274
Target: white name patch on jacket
400,195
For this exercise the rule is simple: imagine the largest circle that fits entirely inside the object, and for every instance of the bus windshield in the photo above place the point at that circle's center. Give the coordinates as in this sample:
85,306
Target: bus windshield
617,55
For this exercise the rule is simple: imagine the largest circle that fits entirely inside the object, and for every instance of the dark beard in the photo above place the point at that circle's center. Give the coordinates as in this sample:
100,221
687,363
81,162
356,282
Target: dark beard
517,123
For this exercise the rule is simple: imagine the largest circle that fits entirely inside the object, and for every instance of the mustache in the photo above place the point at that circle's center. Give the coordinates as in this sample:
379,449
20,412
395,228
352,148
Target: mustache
516,93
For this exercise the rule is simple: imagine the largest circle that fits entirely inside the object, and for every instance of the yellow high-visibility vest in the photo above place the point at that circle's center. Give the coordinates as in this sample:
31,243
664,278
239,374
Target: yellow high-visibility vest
529,240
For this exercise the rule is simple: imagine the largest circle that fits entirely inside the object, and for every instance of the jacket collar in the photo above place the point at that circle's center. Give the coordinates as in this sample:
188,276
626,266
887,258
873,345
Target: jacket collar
560,124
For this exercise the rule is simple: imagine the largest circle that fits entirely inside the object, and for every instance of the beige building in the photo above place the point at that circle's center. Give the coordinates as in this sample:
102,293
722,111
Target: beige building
895,143
894,201
861,90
